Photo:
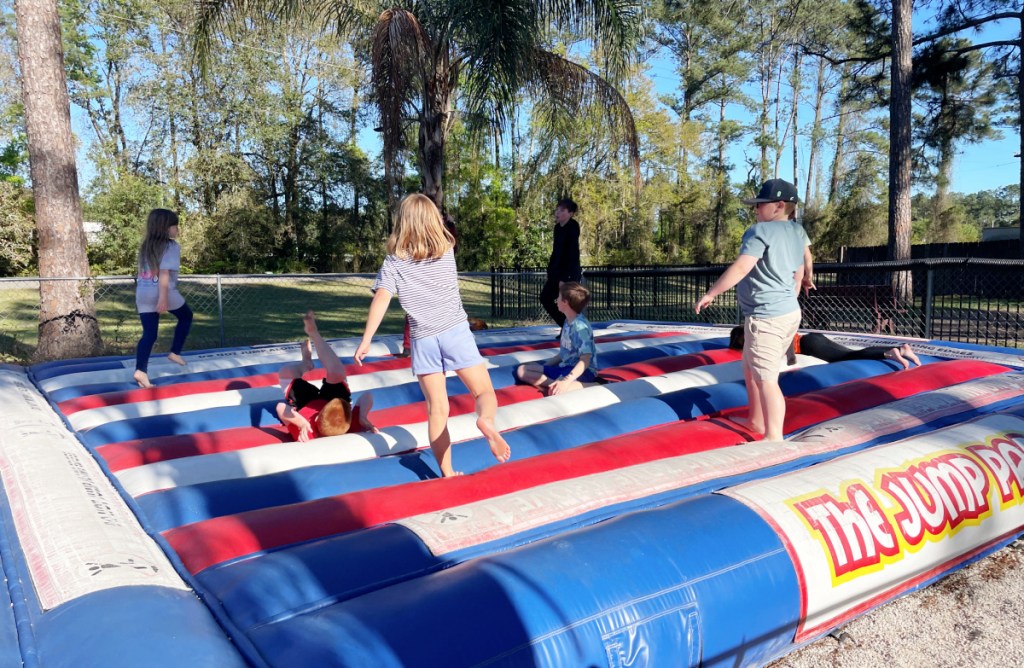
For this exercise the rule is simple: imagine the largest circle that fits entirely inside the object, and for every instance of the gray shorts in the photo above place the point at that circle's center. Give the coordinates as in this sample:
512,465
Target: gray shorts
765,343
451,350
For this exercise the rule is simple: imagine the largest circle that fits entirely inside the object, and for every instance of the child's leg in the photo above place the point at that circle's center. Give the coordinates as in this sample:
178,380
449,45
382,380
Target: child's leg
773,406
755,405
532,373
150,325
435,391
332,364
181,330
477,380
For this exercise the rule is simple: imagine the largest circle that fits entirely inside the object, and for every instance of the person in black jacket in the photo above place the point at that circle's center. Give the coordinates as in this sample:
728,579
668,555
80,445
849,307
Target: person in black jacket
564,264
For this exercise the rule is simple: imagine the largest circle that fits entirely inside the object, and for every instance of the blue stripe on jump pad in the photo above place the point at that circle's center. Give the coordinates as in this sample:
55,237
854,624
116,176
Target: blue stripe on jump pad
241,585
703,582
262,414
134,626
190,503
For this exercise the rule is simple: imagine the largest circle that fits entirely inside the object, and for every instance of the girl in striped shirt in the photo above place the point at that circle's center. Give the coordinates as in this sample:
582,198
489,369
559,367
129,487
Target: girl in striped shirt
420,269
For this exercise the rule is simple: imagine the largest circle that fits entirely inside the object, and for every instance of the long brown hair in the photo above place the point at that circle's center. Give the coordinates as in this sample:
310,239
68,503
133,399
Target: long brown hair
419,232
157,236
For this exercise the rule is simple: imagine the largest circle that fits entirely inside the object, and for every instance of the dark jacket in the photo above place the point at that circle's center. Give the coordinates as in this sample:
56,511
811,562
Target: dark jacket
564,264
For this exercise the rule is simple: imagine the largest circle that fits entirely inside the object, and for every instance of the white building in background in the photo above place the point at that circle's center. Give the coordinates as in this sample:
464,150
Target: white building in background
92,231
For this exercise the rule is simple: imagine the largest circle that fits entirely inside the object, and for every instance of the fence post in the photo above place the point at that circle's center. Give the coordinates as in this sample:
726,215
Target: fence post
632,296
929,297
494,292
220,311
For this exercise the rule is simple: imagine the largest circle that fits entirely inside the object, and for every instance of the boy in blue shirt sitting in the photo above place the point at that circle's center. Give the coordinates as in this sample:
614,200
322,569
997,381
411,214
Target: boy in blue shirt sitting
576,361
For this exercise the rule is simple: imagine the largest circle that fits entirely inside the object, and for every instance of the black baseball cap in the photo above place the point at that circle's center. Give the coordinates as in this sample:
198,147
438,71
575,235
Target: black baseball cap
775,190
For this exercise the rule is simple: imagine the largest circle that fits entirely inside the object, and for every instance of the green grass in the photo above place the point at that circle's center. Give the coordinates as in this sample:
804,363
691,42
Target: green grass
255,311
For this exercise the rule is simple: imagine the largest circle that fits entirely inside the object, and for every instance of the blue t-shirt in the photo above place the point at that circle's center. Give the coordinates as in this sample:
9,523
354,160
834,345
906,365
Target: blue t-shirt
769,290
578,340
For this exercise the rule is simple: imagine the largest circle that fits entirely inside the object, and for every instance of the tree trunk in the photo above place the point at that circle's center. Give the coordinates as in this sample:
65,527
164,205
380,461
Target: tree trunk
815,147
899,140
67,313
431,155
837,160
1020,161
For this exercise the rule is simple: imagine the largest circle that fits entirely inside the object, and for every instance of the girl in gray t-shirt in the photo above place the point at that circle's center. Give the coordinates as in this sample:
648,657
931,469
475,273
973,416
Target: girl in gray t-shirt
156,290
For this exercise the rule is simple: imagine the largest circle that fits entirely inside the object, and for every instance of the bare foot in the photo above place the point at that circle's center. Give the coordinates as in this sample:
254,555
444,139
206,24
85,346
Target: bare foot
894,354
142,378
499,448
909,353
453,474
176,358
747,424
309,323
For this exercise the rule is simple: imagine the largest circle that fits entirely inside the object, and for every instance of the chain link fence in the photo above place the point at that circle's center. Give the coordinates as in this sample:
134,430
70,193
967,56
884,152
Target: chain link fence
966,300
229,310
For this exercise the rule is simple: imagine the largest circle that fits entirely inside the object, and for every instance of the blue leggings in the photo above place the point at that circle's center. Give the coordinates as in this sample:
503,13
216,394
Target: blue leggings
150,325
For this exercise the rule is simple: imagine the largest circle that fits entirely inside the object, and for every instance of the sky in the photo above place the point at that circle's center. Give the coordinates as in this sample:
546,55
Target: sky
985,166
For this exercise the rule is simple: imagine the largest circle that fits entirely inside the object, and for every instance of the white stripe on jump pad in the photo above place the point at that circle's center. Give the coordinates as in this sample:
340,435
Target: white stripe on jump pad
479,522
279,457
161,367
76,532
89,418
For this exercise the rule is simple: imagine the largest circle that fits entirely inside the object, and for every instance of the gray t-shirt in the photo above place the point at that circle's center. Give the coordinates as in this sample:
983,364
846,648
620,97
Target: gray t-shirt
147,287
769,290
428,291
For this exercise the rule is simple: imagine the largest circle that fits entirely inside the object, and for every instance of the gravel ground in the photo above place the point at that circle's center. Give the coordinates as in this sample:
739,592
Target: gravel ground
974,617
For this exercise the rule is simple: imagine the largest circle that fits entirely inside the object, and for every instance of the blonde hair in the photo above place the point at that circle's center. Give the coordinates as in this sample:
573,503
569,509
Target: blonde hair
419,232
790,210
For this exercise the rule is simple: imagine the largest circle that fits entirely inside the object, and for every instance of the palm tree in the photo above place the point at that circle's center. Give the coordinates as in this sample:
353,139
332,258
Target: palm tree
422,53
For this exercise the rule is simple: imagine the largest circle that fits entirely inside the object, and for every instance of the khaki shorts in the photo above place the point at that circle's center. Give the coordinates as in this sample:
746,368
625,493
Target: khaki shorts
765,343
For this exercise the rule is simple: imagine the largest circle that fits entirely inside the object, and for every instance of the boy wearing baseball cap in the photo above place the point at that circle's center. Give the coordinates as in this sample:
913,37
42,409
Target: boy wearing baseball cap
774,257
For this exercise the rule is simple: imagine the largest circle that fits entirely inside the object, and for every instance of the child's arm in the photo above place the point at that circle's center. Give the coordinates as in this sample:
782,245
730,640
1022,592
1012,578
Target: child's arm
728,280
365,404
569,382
287,416
378,307
163,287
807,282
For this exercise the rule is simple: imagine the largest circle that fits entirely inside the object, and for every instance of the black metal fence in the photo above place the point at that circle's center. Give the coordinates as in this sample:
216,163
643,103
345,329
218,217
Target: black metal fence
971,300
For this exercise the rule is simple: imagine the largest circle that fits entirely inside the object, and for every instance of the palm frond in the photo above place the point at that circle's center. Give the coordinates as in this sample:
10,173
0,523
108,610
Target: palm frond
213,19
565,87
615,26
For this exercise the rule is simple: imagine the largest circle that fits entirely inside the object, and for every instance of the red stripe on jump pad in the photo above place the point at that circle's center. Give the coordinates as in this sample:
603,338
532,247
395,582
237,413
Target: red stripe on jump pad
127,454
216,540
813,407
203,544
71,406
137,452
670,364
